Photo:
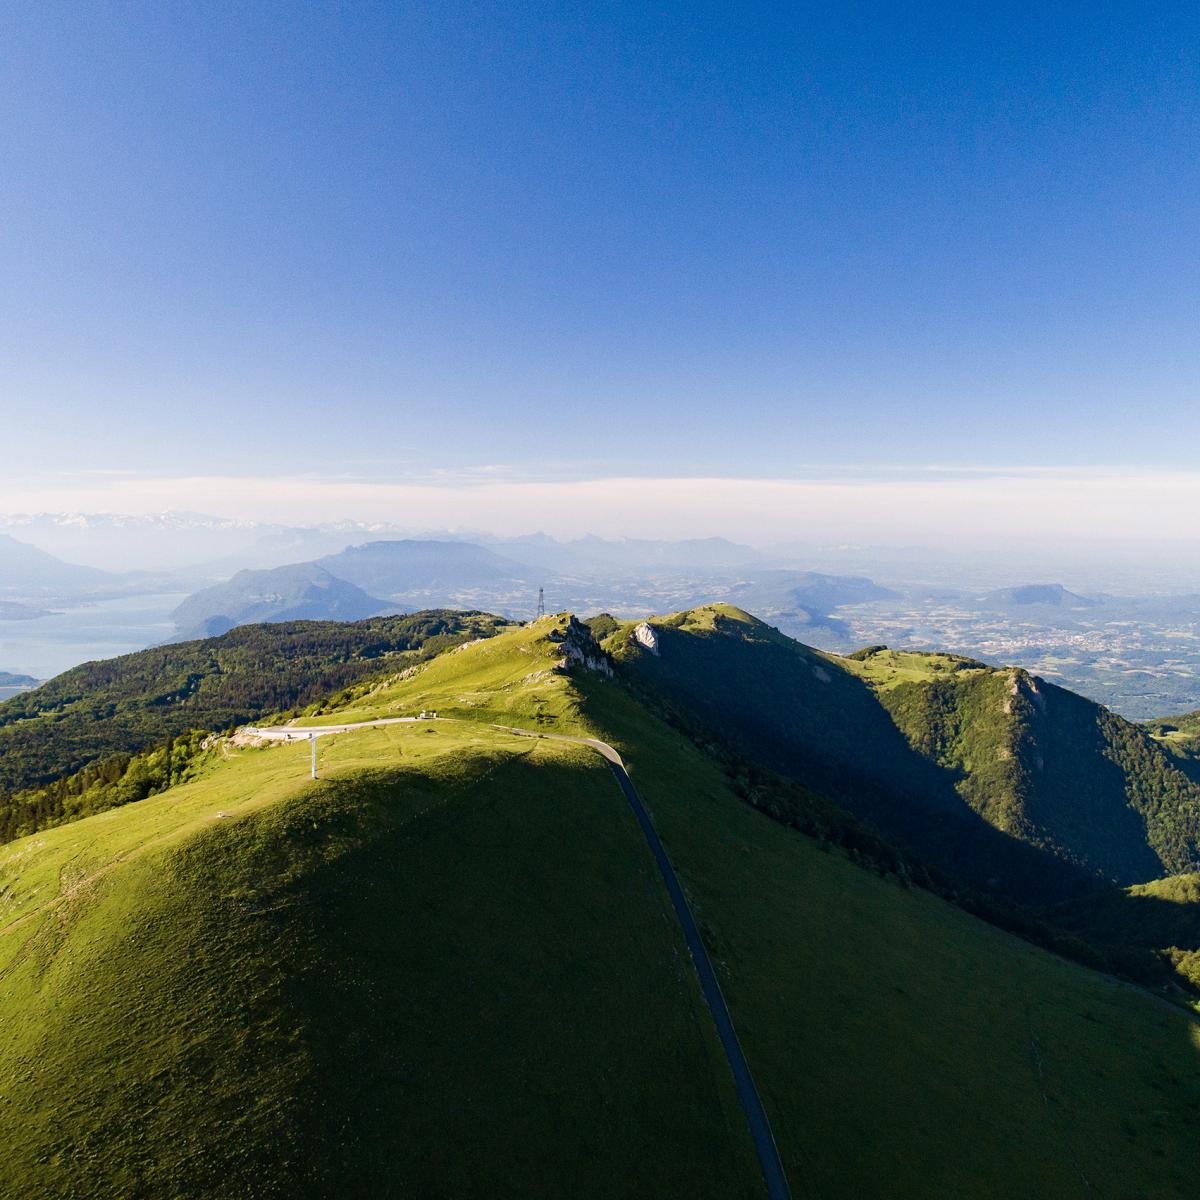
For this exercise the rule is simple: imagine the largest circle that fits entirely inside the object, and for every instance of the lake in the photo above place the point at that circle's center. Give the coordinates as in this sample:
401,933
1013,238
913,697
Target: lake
49,645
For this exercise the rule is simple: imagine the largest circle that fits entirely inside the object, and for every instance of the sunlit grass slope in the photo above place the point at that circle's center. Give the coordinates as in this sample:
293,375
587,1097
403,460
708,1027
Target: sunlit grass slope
511,678
445,969
1180,737
886,669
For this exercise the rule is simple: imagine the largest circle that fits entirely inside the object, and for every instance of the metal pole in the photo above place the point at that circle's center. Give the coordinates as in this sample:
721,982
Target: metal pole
312,738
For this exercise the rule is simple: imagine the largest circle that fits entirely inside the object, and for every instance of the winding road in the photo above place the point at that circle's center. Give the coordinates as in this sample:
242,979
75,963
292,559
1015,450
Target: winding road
747,1092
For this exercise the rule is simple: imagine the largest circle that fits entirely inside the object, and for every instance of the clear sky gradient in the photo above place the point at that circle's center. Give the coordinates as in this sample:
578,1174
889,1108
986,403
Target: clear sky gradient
572,241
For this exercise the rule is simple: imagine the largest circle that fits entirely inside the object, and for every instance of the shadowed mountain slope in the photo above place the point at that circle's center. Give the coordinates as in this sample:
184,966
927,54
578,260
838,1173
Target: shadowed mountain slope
938,750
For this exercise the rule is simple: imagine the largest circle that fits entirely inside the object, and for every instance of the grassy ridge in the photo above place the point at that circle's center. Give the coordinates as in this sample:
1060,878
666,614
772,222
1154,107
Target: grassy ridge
423,975
946,737
887,1029
510,679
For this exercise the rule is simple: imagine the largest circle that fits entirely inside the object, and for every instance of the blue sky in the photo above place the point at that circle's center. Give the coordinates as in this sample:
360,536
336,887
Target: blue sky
575,241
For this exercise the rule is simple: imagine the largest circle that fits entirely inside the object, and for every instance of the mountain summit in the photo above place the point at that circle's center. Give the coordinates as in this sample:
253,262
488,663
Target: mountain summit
1053,595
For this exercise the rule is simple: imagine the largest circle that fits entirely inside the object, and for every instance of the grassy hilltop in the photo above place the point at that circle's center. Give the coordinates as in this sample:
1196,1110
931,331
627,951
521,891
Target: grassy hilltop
108,732
448,968
410,976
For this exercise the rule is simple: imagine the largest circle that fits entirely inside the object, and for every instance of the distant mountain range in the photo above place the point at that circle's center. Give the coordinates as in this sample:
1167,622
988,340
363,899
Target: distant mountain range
202,545
217,547
386,576
401,570
361,581
589,573
593,554
1125,649
278,548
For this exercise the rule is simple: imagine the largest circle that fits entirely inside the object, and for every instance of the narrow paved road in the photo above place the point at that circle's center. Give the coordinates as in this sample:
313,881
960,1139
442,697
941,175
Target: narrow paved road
747,1092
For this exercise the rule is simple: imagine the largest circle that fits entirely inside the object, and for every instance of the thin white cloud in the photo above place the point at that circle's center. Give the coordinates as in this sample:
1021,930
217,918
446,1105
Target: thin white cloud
958,506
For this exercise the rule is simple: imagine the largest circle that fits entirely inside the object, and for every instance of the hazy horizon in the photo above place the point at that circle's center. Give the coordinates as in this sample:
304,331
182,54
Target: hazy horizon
908,295
936,507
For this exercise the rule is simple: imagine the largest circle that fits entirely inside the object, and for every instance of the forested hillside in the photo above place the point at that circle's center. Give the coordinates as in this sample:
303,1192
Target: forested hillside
124,705
1055,770
1180,737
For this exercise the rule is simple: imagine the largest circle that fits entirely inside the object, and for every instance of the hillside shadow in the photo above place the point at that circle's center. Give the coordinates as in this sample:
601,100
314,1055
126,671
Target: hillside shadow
1150,921
806,717
1080,795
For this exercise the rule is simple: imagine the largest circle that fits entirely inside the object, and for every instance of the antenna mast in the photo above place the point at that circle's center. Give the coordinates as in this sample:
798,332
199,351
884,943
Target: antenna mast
541,602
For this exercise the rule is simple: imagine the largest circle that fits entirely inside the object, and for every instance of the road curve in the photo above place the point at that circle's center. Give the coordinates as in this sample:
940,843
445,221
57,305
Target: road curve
774,1175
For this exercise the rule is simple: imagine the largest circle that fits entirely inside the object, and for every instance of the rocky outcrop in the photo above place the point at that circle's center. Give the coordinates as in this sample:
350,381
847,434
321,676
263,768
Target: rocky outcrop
579,649
1022,684
645,635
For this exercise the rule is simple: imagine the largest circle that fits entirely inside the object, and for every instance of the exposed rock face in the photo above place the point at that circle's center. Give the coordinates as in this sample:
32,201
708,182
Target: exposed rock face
1021,683
646,636
576,656
580,649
